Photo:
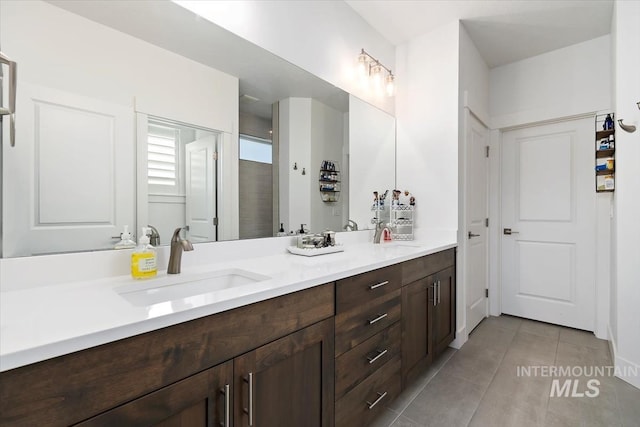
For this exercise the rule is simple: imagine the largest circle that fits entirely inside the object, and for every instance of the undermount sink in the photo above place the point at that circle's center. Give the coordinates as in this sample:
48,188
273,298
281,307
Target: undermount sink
185,286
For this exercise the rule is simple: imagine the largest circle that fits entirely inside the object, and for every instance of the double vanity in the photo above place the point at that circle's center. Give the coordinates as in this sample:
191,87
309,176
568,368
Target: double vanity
271,340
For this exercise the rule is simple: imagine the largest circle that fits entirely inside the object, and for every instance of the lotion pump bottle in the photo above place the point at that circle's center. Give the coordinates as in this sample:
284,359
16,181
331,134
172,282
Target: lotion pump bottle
144,263
126,242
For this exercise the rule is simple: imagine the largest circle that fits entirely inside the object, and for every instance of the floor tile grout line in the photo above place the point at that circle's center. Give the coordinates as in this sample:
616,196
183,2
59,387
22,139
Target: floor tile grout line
555,363
494,375
424,386
617,395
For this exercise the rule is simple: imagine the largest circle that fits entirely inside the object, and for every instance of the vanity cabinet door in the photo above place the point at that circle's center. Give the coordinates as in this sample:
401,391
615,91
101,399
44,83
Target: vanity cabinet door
204,399
289,382
417,345
444,320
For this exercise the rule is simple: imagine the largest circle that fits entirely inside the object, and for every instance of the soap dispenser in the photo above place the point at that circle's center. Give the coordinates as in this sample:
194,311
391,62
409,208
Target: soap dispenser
144,263
126,242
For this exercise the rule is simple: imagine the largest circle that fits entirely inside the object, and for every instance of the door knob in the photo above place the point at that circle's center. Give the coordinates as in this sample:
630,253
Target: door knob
508,231
472,235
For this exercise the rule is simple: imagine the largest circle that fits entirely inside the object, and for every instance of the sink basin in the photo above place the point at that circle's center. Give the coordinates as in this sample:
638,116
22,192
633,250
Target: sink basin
185,286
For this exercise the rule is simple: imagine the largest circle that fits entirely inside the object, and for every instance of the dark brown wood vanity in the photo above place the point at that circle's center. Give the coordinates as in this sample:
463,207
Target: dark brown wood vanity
331,355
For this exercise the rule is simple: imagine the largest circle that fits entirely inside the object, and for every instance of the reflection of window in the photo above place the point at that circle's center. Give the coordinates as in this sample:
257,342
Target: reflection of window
255,149
163,158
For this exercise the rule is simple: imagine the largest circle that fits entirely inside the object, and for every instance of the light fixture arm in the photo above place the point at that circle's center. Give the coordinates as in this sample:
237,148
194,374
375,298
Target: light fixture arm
376,61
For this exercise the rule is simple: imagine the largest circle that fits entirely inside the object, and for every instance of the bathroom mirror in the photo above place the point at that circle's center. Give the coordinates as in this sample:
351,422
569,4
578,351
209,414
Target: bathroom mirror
103,78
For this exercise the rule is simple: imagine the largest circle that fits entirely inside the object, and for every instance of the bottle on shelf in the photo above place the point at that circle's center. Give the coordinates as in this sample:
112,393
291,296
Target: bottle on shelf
608,123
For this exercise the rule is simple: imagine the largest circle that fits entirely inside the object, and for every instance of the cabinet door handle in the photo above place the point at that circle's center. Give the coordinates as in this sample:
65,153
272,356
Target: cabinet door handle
380,397
435,296
372,287
439,292
227,405
249,411
377,356
377,319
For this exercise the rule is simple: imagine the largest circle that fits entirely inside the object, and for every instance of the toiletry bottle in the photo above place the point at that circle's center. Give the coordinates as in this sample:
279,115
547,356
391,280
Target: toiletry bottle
144,260
126,242
608,123
281,232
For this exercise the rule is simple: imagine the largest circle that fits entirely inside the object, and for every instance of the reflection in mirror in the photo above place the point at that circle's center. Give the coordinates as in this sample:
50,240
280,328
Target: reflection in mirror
181,179
256,187
88,107
372,154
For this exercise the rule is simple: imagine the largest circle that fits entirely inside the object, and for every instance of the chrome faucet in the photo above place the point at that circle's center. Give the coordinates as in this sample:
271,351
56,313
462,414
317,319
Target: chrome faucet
178,245
379,230
154,237
351,225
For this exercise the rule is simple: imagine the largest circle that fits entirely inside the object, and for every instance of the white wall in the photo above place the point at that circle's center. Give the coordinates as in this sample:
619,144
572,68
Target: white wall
427,125
473,95
295,148
309,133
326,144
565,82
371,158
474,80
613,319
321,36
626,196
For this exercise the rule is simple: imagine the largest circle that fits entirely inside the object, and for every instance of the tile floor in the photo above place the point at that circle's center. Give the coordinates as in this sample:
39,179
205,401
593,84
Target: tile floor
478,385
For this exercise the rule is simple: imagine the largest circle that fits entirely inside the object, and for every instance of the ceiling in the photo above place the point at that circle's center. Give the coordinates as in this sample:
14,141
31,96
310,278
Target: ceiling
504,31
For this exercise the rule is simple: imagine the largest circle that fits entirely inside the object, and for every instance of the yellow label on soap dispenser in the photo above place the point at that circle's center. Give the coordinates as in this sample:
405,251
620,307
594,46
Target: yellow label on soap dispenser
143,265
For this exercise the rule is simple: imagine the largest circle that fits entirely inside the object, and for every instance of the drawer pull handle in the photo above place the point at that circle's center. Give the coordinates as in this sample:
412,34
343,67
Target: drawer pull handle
377,319
376,357
372,287
380,397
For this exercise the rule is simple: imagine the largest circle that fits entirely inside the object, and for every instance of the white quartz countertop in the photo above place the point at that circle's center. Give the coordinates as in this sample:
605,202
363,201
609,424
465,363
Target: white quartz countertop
48,321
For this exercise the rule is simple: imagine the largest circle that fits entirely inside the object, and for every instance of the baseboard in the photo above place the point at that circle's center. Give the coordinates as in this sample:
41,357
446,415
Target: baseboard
612,344
624,368
461,338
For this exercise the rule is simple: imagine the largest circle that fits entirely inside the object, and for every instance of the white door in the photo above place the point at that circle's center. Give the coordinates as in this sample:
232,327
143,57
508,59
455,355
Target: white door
476,194
200,181
548,202
69,182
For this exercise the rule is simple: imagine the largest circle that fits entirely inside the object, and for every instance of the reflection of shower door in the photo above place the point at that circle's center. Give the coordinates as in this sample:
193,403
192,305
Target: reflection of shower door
69,179
200,181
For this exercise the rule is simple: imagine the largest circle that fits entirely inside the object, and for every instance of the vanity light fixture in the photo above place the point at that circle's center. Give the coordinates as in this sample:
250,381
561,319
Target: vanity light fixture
381,77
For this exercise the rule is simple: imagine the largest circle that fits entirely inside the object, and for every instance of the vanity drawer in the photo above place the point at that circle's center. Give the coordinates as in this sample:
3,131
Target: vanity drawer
358,363
366,287
427,265
368,400
364,321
